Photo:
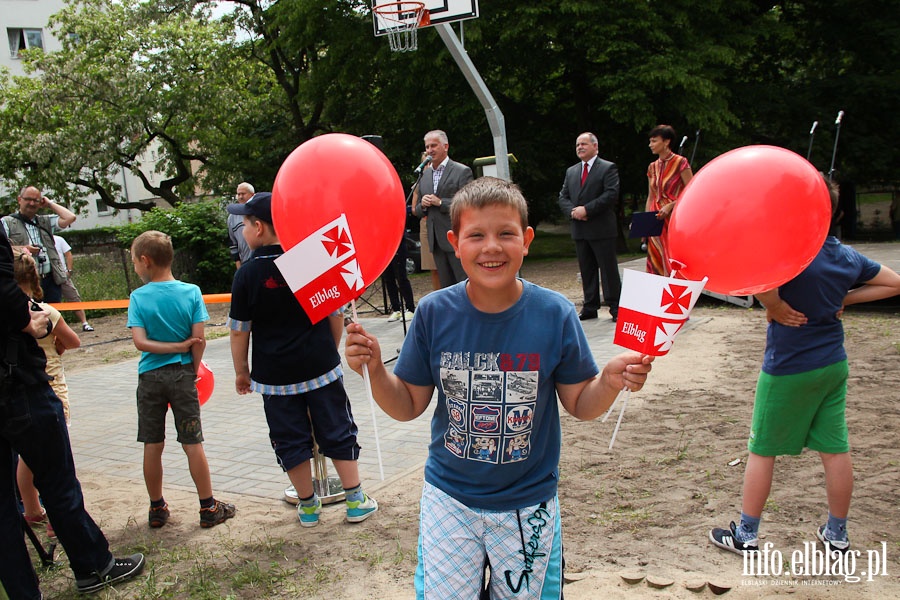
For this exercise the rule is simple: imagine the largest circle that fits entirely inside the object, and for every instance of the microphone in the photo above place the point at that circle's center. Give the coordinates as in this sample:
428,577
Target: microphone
422,165
813,128
839,117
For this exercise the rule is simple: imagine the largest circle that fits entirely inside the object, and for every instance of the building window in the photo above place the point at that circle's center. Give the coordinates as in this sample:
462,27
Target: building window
22,39
103,208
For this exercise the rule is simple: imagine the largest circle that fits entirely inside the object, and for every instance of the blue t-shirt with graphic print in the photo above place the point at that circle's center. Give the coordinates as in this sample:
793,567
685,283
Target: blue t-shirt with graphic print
495,432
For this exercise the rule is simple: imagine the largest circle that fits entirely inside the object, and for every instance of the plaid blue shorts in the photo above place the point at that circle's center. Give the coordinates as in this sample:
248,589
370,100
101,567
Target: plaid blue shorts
523,548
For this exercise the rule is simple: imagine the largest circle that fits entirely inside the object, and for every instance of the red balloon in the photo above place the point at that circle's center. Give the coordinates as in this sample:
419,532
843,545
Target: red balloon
750,220
205,382
327,179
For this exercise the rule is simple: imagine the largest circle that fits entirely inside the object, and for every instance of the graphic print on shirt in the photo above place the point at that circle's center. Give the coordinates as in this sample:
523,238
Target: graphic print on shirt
490,399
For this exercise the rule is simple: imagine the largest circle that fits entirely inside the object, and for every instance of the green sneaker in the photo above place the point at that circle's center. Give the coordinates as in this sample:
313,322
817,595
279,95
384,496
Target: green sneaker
309,515
358,512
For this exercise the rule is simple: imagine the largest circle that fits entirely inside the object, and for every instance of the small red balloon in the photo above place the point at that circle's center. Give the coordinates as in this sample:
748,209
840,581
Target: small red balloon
340,181
750,220
206,382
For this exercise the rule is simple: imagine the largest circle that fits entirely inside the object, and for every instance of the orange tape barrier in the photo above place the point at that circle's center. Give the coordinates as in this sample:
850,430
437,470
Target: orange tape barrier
105,304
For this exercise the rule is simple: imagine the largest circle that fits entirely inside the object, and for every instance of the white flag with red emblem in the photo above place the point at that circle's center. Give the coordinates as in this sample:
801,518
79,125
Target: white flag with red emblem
322,270
652,309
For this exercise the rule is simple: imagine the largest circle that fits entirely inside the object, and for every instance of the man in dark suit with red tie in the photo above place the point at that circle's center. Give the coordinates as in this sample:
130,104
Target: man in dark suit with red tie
588,197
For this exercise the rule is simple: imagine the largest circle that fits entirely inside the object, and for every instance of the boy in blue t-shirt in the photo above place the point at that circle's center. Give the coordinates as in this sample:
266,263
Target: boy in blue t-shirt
801,395
296,368
498,349
167,317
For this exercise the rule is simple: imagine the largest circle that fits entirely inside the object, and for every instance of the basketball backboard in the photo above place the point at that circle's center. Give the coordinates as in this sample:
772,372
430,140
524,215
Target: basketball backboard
440,11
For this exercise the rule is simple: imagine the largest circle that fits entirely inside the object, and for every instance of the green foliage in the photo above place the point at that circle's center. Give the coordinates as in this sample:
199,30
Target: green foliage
200,238
161,90
138,88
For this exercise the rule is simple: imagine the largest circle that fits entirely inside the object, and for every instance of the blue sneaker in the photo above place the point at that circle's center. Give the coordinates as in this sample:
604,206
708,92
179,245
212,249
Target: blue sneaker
358,512
309,515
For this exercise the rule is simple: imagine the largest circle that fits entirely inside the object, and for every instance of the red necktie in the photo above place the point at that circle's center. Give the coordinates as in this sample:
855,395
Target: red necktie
584,174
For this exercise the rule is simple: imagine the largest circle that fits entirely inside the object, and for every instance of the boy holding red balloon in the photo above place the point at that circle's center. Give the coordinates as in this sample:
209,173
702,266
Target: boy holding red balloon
296,368
167,319
802,389
498,349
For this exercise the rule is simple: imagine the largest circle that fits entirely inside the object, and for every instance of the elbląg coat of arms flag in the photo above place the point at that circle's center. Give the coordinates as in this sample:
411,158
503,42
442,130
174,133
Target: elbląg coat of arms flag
652,309
322,270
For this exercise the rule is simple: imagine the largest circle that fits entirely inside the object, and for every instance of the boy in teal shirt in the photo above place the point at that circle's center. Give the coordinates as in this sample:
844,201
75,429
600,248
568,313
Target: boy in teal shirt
167,317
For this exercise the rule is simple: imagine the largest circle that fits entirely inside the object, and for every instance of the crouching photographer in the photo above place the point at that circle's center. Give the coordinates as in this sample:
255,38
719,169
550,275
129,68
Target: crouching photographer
32,426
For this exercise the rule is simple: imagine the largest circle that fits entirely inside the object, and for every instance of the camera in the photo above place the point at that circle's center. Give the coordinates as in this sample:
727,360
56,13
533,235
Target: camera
41,259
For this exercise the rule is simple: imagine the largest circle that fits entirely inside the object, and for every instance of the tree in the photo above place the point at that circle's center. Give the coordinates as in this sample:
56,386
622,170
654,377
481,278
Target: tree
197,230
137,87
815,58
558,69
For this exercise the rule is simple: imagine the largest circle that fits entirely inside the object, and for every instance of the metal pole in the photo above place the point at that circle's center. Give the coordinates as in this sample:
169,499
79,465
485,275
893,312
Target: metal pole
694,151
491,110
812,134
837,134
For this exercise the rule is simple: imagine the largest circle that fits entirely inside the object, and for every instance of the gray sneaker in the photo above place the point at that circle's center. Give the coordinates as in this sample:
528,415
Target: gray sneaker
832,545
219,512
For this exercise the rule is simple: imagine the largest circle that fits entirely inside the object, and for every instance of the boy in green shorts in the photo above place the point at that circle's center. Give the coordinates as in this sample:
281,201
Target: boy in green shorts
802,388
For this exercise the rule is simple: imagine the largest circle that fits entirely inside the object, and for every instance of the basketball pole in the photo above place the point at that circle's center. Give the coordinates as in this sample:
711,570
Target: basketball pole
491,110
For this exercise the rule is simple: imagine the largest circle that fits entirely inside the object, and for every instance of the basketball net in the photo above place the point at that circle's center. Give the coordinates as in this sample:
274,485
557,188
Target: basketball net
401,22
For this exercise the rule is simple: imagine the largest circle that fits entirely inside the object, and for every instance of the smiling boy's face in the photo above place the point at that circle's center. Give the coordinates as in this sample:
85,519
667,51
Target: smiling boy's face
492,245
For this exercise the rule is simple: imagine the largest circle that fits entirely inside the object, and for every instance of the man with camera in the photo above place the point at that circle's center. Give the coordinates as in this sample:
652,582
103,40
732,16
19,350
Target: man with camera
35,232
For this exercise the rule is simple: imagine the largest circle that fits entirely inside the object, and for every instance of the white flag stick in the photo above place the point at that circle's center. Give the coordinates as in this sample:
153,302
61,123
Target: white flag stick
613,405
619,421
368,383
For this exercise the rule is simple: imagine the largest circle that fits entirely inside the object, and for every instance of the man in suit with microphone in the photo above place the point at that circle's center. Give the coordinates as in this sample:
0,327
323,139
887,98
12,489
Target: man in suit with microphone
588,197
440,181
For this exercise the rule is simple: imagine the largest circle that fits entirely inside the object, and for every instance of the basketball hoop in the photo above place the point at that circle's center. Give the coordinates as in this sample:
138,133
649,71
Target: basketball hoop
401,22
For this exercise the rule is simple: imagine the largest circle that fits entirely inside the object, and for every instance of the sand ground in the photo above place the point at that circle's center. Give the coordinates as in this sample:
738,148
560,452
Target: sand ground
640,511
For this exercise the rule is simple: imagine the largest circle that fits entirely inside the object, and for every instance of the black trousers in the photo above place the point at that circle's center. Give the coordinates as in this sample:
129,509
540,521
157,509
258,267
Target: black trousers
396,282
598,265
52,290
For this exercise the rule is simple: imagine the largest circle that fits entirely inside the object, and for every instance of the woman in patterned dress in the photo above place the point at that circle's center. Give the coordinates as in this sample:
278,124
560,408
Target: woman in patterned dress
667,176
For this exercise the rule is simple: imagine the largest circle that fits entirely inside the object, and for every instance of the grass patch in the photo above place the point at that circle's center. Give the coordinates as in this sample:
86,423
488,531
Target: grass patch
866,198
549,244
101,276
257,568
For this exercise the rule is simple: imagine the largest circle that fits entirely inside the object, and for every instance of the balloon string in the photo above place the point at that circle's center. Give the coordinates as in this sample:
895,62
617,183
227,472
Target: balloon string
368,383
612,440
